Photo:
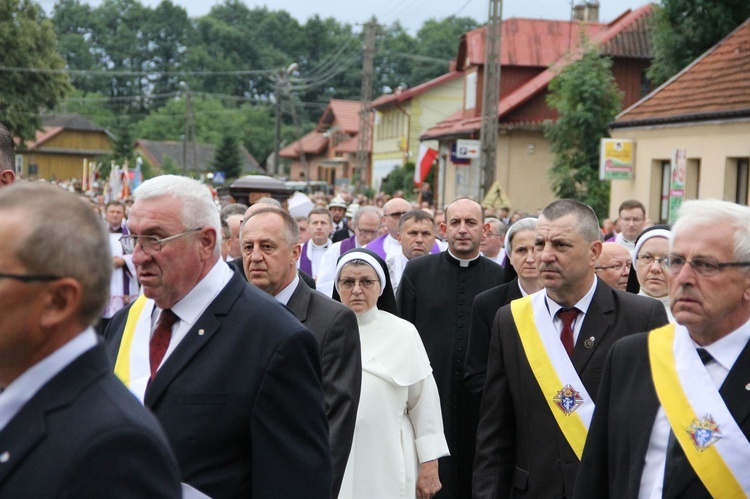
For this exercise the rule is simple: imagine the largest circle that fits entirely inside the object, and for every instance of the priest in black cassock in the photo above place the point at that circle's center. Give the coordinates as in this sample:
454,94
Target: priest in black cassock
436,295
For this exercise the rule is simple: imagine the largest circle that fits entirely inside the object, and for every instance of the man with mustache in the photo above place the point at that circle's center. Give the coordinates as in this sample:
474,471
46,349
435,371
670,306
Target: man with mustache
545,360
436,294
673,414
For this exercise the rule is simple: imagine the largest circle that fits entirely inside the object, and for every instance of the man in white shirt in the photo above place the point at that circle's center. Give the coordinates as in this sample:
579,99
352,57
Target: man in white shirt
673,414
68,427
632,220
320,224
416,235
124,286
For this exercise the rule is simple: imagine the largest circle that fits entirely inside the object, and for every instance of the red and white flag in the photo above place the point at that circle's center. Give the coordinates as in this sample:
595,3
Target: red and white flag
426,158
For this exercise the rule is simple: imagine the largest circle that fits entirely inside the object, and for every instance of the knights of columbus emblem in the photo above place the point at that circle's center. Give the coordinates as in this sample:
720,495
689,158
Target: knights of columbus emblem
704,433
568,400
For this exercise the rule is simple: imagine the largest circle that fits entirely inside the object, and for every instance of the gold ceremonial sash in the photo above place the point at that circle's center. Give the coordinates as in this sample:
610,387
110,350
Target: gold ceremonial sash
707,462
122,364
571,424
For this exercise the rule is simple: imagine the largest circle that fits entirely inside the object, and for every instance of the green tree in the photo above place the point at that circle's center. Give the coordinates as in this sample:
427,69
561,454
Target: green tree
28,41
586,99
685,29
401,178
227,158
438,39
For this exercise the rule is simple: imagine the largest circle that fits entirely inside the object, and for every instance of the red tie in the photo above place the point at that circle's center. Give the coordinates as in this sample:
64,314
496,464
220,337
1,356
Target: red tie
567,315
160,339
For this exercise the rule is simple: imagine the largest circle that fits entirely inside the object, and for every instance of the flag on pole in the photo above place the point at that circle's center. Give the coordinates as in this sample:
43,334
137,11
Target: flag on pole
426,158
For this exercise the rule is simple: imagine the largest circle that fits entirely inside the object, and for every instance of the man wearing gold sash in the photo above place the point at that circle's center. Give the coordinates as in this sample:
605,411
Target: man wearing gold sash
673,414
545,360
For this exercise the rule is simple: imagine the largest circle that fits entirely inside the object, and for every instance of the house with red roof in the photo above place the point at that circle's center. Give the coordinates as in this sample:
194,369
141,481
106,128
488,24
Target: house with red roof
705,111
61,146
532,53
328,152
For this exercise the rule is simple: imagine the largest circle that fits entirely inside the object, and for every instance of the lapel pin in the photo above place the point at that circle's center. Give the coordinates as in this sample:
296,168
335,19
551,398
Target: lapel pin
589,343
201,332
4,457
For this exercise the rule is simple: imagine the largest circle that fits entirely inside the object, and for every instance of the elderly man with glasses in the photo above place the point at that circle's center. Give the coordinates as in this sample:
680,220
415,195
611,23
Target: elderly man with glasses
493,242
673,413
613,265
225,368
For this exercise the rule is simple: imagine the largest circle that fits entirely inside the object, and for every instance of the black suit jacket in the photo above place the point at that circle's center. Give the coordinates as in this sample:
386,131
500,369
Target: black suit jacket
241,400
341,234
237,264
486,305
626,408
335,327
83,434
520,448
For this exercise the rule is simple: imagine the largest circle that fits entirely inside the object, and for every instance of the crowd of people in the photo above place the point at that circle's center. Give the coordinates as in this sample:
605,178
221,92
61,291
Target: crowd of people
370,349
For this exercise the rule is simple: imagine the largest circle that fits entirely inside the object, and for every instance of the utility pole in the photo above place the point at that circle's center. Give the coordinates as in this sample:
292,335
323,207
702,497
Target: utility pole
362,159
281,82
491,94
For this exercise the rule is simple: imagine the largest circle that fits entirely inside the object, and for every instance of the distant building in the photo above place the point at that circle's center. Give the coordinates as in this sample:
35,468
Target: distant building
200,157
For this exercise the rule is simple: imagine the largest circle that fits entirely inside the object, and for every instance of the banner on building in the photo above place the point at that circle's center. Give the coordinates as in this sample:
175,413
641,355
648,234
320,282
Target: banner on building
677,182
616,159
426,158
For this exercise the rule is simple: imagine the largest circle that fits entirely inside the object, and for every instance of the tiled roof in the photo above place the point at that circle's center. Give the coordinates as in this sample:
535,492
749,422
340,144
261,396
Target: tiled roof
350,145
70,122
312,143
622,34
156,151
716,84
410,93
345,112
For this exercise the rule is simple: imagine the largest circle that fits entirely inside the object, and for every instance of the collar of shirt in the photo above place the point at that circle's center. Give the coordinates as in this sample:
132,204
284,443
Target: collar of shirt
582,305
726,350
463,262
23,388
322,247
285,294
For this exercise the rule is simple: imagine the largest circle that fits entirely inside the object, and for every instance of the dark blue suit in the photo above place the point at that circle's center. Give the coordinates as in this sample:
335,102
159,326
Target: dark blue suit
242,403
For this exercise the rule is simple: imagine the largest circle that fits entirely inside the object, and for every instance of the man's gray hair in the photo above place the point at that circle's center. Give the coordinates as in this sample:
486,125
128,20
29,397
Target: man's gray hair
290,229
7,149
198,208
587,222
367,209
497,225
66,238
233,209
712,212
268,201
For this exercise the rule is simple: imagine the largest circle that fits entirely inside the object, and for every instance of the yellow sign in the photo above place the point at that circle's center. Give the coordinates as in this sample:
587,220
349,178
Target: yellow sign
616,159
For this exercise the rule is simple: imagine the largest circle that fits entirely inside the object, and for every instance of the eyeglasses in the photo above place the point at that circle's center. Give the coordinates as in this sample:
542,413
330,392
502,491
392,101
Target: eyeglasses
366,232
396,215
705,267
30,277
348,284
492,234
150,244
616,268
649,260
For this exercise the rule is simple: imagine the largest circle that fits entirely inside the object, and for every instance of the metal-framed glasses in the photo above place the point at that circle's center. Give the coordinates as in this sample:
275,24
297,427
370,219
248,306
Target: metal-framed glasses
493,234
396,215
150,244
617,267
349,284
29,277
648,260
705,267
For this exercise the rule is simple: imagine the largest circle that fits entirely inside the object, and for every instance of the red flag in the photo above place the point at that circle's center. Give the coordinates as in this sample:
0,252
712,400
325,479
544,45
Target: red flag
426,158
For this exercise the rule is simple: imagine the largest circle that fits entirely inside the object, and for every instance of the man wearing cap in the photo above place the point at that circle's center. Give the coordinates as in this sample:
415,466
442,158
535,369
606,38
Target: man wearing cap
366,224
337,207
545,360
672,416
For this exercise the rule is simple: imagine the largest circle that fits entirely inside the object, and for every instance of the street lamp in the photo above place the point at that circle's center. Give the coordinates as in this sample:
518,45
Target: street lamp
281,81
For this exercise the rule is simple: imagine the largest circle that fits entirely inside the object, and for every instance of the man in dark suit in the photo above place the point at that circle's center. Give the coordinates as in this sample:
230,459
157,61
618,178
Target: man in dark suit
68,427
232,376
270,250
659,428
532,430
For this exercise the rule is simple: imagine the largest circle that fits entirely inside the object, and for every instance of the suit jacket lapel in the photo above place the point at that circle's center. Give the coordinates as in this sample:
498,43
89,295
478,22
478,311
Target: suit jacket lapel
299,301
596,323
200,334
28,428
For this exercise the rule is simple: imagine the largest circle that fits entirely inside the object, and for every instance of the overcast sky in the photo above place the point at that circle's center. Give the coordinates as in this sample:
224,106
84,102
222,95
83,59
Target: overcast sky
411,13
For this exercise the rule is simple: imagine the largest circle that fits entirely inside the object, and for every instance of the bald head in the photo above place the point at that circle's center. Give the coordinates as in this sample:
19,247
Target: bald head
393,210
613,265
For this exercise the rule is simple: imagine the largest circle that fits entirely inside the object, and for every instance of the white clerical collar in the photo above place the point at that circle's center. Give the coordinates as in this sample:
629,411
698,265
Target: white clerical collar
726,350
285,294
320,247
463,262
